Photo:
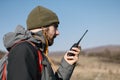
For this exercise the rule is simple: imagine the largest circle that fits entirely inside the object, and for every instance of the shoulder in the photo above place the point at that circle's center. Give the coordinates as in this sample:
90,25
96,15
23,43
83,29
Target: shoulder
23,48
23,45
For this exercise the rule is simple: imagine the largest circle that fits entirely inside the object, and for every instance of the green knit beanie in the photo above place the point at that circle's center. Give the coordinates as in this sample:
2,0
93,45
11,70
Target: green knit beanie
41,17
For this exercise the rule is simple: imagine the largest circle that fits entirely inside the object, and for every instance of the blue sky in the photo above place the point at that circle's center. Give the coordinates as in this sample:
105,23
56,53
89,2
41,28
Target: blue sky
100,17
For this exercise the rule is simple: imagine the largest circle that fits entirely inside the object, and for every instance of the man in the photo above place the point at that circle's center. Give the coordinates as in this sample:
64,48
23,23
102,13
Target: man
23,58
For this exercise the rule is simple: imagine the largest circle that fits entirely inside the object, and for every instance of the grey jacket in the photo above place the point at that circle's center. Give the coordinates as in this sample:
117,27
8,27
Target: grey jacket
64,71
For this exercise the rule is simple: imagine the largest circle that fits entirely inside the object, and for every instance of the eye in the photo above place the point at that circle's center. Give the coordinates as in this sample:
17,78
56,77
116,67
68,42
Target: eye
55,25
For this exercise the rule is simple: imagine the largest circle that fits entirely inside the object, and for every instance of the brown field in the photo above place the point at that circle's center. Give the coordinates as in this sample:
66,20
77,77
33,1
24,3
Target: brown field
101,63
93,68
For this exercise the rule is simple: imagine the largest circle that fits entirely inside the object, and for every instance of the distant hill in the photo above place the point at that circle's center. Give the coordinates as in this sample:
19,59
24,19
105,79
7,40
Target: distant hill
110,48
108,51
99,49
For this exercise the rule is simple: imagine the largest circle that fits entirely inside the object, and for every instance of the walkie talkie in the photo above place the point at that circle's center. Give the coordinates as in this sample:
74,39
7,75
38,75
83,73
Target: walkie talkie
76,44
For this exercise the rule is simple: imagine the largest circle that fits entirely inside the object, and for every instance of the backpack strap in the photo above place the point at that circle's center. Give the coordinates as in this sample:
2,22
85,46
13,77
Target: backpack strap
4,72
3,69
40,58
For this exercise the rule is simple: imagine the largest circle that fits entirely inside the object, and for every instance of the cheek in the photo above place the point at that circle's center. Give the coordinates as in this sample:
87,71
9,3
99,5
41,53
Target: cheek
51,34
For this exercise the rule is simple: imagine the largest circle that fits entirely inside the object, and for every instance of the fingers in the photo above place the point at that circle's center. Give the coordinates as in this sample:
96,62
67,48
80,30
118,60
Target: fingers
75,50
72,59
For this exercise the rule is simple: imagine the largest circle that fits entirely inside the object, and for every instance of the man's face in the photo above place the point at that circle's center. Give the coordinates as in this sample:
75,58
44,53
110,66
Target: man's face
51,33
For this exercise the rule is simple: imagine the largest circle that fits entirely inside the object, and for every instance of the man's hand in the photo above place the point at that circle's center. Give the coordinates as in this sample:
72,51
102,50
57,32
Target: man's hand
72,59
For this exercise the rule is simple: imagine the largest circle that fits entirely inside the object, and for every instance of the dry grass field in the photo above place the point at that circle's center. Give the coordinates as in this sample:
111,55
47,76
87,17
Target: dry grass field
93,68
102,63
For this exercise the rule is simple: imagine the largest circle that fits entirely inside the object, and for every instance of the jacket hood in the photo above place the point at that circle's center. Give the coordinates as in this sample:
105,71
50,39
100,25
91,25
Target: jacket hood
20,34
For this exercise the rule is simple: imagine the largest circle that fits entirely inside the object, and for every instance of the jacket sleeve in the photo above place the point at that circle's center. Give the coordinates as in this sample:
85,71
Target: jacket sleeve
65,70
22,63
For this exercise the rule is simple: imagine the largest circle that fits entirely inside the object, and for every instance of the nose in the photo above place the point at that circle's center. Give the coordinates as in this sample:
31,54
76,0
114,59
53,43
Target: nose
57,32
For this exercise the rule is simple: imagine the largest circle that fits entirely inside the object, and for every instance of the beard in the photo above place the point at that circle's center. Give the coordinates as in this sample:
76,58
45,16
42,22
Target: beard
50,40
